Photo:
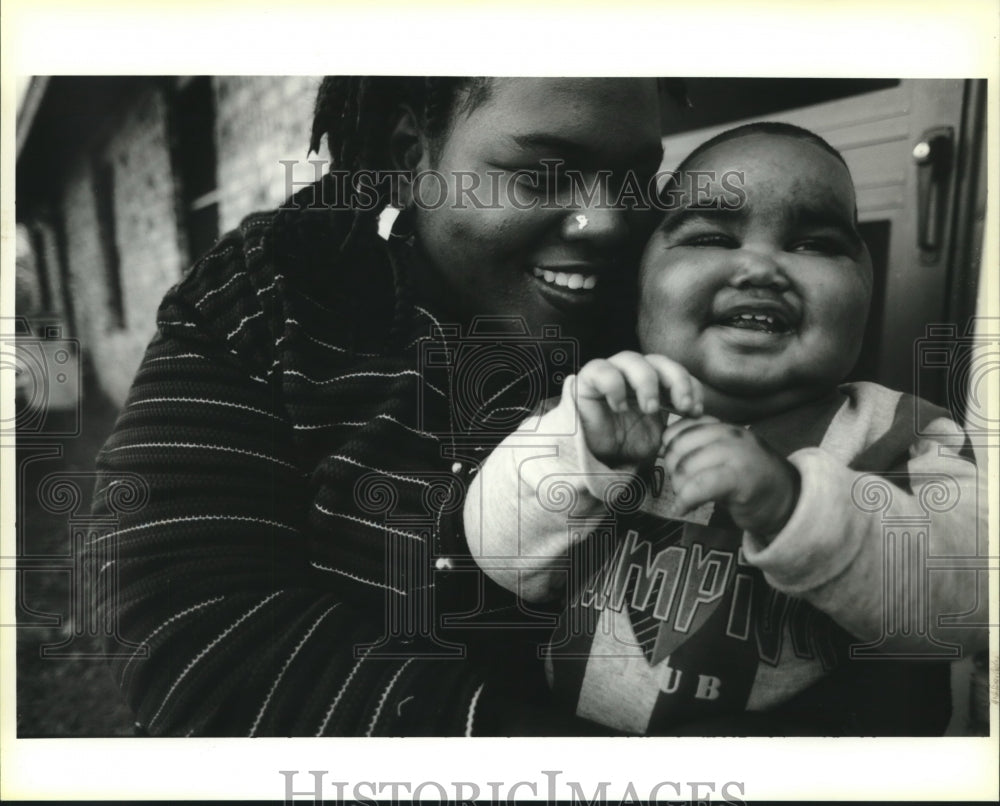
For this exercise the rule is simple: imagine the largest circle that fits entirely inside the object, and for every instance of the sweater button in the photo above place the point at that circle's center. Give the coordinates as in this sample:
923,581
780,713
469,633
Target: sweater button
456,468
442,564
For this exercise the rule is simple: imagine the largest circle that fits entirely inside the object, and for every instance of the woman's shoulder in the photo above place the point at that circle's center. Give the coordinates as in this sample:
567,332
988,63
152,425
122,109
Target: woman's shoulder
296,266
227,285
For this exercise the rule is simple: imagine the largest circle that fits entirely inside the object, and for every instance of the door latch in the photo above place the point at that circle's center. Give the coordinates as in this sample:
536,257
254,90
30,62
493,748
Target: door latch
934,155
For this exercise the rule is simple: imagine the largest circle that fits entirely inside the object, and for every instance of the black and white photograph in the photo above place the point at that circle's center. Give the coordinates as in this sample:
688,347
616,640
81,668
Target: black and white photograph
575,414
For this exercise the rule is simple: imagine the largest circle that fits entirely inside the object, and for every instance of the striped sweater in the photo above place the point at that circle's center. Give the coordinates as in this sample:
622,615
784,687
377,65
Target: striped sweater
695,627
299,568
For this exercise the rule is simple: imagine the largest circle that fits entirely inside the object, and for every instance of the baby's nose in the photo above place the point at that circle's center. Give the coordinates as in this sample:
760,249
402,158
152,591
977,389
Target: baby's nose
759,268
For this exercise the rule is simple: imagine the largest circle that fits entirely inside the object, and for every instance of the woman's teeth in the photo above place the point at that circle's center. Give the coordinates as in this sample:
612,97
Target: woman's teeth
574,282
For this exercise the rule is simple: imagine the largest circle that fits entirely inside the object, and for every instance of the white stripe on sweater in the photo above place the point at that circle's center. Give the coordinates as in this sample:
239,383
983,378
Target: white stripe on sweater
205,401
153,634
430,316
272,284
350,375
340,694
318,426
385,694
190,518
516,380
221,288
340,457
381,527
172,357
327,344
494,412
360,423
284,668
410,428
213,257
471,716
208,649
355,577
243,321
203,447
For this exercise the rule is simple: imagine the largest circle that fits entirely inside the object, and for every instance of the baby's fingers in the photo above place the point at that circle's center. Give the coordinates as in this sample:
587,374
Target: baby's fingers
686,394
713,483
642,379
601,380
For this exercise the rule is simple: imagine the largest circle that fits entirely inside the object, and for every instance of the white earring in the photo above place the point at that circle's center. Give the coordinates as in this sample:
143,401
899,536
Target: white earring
385,221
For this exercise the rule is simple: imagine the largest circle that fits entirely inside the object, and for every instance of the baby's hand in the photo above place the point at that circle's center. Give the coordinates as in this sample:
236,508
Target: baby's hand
619,403
712,461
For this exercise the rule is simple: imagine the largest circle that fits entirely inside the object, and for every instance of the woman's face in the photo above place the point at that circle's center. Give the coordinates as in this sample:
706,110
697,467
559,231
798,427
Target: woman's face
510,248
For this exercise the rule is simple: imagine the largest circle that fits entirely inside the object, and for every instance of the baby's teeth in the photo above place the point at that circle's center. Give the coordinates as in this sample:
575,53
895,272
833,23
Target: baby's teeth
590,282
550,276
575,281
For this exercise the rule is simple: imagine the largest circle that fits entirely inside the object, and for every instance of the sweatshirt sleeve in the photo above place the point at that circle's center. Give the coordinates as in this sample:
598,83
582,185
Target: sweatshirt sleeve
885,554
518,506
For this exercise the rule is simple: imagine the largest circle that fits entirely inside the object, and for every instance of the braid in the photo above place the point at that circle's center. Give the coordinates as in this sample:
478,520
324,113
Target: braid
356,114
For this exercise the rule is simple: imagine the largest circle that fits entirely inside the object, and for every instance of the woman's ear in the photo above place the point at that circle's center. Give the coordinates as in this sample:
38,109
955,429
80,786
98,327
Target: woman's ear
406,150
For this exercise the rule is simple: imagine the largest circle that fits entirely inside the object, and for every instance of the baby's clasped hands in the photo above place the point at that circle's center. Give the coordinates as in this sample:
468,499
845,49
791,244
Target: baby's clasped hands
619,402
624,420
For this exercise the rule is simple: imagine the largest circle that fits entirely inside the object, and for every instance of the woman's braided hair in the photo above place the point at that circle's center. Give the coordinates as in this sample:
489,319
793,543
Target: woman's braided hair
356,115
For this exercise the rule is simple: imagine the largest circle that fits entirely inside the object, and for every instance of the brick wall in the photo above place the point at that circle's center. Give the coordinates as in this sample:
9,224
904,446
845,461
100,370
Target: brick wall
146,236
259,121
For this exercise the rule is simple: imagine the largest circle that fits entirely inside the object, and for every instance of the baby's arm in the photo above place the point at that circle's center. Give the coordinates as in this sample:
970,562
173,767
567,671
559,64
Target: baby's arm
808,526
833,550
608,421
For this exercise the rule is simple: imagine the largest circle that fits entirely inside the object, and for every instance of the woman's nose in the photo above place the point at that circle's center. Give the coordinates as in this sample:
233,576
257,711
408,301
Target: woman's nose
759,268
600,223
595,214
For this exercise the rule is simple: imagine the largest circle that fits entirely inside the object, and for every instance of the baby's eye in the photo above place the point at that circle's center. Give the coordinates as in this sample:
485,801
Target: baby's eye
819,246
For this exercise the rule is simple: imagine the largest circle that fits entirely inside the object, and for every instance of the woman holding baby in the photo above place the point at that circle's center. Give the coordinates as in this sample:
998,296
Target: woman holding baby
308,431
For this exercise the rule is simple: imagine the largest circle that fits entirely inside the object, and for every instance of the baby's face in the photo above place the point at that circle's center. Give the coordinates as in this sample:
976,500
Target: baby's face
765,304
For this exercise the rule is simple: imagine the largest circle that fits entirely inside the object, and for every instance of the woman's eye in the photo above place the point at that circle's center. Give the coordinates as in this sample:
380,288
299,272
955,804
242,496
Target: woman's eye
711,239
539,179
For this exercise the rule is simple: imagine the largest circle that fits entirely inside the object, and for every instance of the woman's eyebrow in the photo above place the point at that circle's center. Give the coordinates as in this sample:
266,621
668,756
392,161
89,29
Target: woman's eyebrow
565,146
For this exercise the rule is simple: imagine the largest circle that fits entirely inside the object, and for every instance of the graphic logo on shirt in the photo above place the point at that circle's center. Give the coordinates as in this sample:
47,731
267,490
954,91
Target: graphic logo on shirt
686,576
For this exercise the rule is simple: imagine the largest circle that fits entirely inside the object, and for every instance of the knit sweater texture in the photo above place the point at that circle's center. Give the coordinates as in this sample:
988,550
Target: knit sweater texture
298,568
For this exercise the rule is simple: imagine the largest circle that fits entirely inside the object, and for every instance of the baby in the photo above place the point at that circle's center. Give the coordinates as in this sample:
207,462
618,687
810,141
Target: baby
728,559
